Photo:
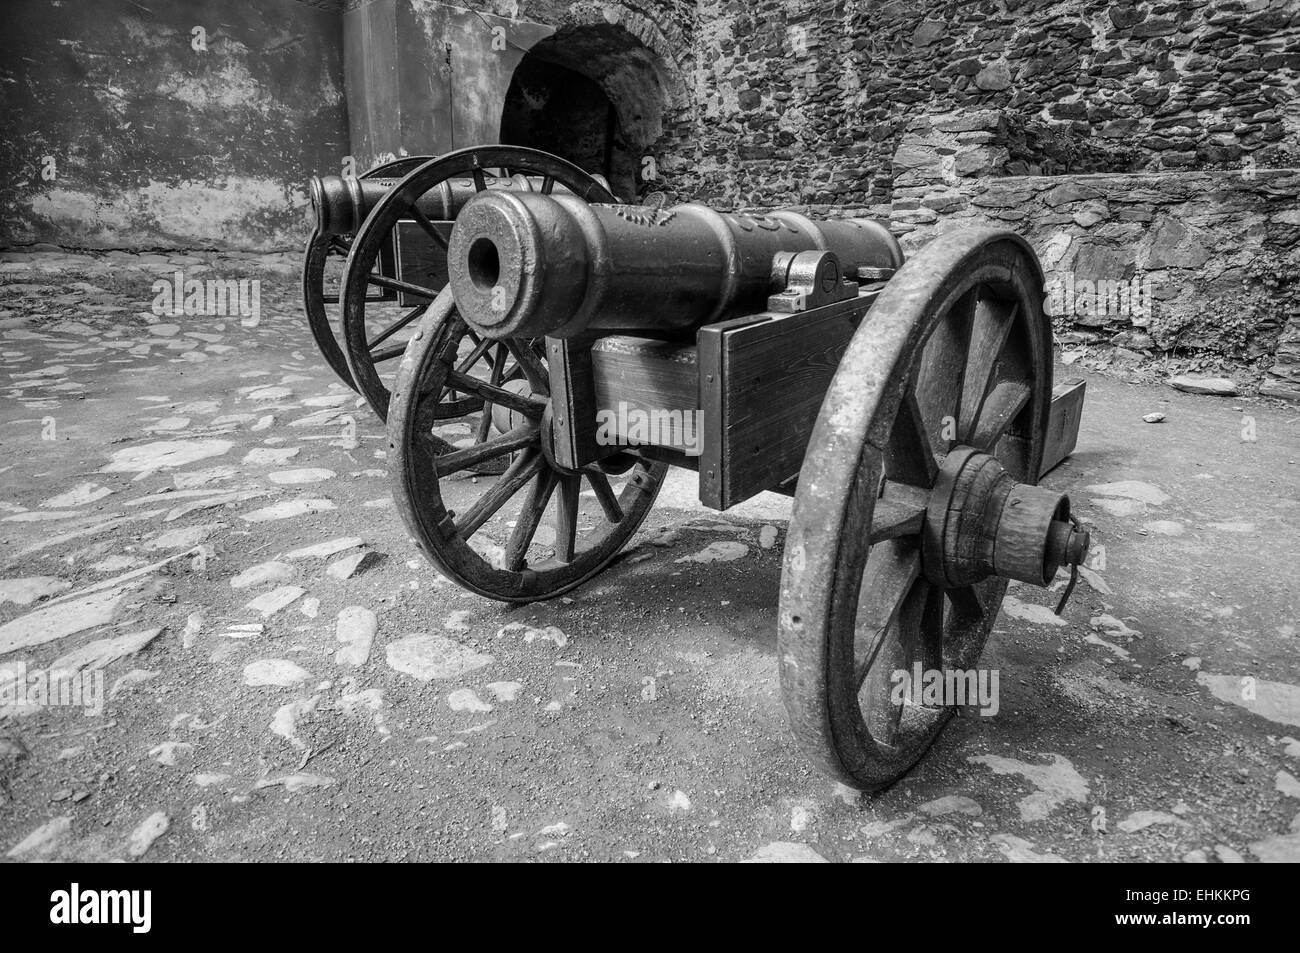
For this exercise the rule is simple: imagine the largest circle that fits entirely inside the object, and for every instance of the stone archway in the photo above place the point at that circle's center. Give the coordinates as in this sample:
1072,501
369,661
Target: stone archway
426,78
597,95
558,110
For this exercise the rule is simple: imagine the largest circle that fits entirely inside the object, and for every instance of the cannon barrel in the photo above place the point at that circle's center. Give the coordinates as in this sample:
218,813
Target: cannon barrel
341,203
528,265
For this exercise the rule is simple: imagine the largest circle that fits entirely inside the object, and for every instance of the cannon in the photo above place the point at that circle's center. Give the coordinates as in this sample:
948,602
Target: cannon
528,265
340,204
907,406
357,342
325,244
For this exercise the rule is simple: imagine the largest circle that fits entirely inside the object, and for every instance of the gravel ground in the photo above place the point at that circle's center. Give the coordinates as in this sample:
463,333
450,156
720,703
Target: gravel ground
639,719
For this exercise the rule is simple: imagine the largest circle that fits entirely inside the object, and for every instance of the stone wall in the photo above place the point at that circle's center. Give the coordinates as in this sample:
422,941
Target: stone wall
1195,265
738,102
1191,265
1142,146
118,131
806,102
1125,139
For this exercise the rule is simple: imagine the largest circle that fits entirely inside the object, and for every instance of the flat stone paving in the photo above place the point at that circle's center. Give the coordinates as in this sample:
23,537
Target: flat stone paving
345,702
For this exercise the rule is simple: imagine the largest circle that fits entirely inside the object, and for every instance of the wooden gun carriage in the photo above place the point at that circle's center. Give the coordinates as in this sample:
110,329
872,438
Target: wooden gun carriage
907,406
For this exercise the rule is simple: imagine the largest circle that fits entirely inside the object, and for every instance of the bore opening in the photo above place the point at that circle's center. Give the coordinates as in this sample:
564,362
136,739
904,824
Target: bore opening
484,264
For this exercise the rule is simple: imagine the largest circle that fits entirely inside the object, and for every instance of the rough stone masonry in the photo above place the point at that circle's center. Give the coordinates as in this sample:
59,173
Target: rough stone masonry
1142,142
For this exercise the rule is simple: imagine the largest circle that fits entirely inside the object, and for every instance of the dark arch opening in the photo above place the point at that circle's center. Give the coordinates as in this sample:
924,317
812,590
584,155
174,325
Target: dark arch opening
558,110
592,94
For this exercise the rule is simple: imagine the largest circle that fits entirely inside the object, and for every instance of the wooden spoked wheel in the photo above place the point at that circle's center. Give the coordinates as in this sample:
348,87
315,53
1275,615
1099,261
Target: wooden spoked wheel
956,352
369,342
319,274
460,418
537,530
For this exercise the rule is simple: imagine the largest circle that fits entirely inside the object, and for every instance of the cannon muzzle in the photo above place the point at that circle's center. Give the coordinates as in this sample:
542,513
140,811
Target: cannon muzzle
341,203
527,265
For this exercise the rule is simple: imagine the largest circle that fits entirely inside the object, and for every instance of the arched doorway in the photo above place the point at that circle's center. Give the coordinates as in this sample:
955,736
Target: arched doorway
592,94
558,110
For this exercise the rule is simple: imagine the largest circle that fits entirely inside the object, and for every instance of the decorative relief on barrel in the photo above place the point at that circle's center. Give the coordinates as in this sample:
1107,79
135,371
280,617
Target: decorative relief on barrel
748,223
641,215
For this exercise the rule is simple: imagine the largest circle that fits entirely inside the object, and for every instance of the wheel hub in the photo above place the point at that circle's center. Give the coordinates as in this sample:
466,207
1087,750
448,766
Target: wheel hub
981,522
504,419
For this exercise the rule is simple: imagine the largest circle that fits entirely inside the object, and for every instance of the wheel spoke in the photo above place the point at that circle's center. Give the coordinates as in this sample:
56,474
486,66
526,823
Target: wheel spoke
485,415
989,330
484,426
474,357
428,227
892,568
524,468
966,603
605,494
912,638
909,458
566,518
497,374
521,537
397,325
516,439
531,406
1001,406
532,366
941,373
899,511
548,183
921,623
340,245
387,353
480,183
394,285
881,715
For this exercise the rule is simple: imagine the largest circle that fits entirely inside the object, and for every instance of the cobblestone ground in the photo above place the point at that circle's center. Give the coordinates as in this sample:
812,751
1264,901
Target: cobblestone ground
190,521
